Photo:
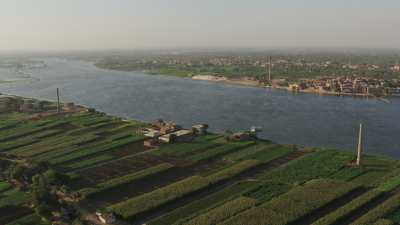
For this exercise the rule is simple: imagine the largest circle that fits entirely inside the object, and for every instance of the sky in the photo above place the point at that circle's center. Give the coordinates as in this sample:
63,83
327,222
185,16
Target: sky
141,24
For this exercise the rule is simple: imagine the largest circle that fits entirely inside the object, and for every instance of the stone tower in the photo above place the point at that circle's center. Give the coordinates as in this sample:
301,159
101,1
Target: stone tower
360,146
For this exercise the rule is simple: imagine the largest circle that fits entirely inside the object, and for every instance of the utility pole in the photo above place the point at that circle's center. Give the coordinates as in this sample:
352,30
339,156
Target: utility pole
58,101
360,147
269,70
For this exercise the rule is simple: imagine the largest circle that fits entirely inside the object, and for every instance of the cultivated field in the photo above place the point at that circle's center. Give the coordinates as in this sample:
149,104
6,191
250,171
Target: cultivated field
209,180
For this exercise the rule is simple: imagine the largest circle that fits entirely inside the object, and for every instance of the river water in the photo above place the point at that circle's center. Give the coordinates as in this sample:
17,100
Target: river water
304,119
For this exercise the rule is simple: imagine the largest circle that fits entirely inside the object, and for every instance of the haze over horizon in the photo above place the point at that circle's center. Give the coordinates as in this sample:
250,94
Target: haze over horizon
121,24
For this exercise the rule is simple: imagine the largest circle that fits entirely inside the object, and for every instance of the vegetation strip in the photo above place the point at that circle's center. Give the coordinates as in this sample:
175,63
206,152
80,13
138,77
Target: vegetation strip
132,207
101,187
288,207
380,211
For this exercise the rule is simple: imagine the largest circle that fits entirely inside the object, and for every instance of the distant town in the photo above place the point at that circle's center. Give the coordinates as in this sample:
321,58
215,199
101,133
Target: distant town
324,73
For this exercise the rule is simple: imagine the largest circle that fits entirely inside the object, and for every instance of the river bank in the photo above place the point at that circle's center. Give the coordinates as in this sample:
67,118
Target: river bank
330,121
251,82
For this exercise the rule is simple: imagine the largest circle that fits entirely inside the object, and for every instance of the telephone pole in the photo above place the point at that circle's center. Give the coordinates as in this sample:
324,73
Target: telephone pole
360,147
269,69
58,101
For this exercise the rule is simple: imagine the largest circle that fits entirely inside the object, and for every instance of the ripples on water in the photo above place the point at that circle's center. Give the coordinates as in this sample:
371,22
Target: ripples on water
305,119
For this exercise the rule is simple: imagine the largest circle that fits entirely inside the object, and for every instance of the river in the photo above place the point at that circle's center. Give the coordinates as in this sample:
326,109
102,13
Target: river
304,119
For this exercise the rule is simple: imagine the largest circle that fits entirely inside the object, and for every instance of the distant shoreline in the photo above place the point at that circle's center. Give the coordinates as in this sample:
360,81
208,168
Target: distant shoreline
246,81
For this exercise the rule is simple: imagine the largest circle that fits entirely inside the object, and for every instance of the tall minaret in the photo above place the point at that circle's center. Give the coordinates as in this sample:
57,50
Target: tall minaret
360,147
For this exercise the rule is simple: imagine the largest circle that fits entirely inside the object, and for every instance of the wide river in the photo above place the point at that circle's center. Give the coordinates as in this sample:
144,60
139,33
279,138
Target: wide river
305,119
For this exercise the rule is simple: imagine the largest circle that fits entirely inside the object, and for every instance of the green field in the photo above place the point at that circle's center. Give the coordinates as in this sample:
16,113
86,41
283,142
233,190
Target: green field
209,180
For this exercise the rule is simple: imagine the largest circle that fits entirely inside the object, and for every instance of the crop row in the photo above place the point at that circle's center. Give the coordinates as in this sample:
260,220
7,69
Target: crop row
61,143
223,212
266,191
28,130
317,165
221,150
95,149
294,204
384,222
101,187
258,147
196,208
379,211
348,209
132,207
182,149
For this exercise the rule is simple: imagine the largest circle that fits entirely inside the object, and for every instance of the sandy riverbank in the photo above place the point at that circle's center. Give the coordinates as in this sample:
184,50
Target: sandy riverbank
240,81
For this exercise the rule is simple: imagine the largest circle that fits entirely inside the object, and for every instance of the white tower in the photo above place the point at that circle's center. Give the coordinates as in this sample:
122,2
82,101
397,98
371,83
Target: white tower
360,147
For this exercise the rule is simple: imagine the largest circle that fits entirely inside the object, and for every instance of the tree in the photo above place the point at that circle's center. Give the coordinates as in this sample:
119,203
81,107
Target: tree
40,190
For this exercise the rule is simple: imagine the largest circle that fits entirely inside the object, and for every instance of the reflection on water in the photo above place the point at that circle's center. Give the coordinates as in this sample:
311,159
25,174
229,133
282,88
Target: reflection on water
305,119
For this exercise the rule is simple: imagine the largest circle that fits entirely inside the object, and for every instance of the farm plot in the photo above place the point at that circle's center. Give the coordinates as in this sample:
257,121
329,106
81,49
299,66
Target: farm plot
129,209
11,213
220,151
320,164
223,212
380,211
124,180
195,208
87,152
291,206
120,167
258,147
31,219
200,144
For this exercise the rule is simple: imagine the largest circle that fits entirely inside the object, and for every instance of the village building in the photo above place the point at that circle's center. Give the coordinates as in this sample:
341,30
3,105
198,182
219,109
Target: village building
106,218
9,104
183,135
69,107
200,129
396,67
152,133
169,128
178,136
167,138
241,136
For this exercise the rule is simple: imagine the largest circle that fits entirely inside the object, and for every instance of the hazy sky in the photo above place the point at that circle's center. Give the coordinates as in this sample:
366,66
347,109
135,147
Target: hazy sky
116,24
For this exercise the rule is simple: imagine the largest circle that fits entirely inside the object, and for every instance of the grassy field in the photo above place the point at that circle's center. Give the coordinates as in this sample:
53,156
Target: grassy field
206,181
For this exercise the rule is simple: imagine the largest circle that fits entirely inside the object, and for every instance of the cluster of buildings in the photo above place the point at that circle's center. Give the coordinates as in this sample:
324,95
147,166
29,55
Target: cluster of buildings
349,85
10,103
16,104
169,132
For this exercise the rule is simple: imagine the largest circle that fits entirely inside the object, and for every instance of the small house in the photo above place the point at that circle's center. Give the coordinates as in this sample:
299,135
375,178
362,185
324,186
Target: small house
169,128
242,136
69,107
200,129
106,218
159,124
167,138
183,135
152,133
8,104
